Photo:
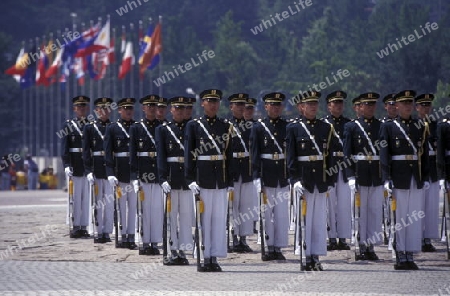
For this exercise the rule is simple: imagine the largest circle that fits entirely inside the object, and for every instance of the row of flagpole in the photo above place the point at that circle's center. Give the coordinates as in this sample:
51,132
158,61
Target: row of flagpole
46,106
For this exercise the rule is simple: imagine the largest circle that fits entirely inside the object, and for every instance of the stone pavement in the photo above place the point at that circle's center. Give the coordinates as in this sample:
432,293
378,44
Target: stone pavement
38,258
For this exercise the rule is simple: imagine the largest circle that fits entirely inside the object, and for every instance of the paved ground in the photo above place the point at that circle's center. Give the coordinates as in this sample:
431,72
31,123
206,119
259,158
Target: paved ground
38,258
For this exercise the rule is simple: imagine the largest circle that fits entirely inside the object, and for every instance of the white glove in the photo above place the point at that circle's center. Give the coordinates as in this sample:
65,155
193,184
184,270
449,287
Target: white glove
298,188
68,171
426,185
257,183
90,178
113,181
135,184
352,185
442,184
229,189
194,187
389,190
166,187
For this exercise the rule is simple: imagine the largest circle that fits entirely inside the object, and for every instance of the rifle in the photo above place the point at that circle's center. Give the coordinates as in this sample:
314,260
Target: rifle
198,232
393,235
167,241
386,220
292,213
140,232
302,226
70,214
356,217
447,220
262,224
93,194
230,213
117,222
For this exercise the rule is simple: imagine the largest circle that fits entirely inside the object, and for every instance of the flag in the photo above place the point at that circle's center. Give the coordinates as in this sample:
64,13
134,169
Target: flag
111,53
79,71
43,64
29,77
127,61
53,69
150,49
20,66
100,41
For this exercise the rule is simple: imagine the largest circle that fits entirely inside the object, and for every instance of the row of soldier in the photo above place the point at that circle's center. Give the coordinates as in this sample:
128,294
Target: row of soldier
210,156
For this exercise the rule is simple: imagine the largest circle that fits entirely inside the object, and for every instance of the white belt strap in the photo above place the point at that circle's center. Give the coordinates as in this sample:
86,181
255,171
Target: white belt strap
125,132
75,149
271,136
122,154
98,153
404,157
175,159
210,157
275,156
76,127
367,137
148,133
335,133
311,137
240,137
366,157
240,154
98,131
147,154
175,137
310,158
209,137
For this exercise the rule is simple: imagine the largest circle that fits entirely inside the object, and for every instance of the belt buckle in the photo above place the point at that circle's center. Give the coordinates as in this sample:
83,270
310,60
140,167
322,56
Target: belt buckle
409,157
214,157
180,159
151,154
312,157
340,153
369,157
241,154
276,156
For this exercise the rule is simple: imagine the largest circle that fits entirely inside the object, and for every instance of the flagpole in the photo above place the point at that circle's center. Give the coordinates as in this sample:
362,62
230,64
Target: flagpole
67,89
91,80
112,73
160,58
150,21
123,79
31,123
141,84
83,87
51,100
108,77
132,66
59,108
99,81
24,110
45,129
74,64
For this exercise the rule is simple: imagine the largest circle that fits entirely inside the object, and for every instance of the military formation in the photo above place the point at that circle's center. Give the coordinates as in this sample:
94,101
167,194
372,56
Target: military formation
342,182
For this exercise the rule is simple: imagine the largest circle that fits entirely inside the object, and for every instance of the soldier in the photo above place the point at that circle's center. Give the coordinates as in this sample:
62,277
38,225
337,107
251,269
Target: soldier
361,144
72,158
144,172
389,106
208,158
249,109
356,104
189,108
431,200
161,110
170,138
243,200
311,145
339,202
268,150
117,159
443,158
94,167
404,162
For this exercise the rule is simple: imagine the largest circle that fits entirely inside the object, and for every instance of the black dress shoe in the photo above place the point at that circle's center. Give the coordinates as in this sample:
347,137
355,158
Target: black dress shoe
332,246
279,256
75,233
309,266
205,268
401,265
412,265
215,267
148,251
371,256
428,248
155,250
98,240
106,238
246,249
360,257
343,246
317,266
238,248
132,245
85,233
269,256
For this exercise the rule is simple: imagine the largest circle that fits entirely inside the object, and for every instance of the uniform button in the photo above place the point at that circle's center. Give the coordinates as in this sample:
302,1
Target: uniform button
275,133
276,162
312,125
370,161
368,133
410,164
153,165
314,170
314,148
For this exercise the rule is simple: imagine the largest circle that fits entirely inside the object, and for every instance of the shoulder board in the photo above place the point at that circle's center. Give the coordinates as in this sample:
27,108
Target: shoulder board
165,123
260,120
196,119
92,122
224,120
444,120
68,120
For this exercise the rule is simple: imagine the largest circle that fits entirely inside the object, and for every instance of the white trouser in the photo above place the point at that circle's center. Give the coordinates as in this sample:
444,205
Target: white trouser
182,211
408,227
371,214
339,210
255,197
104,203
431,209
81,202
214,220
127,204
315,226
152,213
243,202
276,215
